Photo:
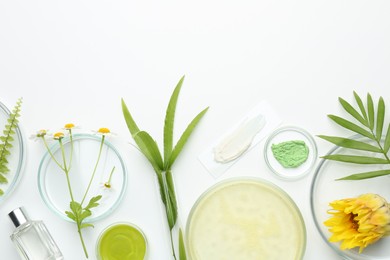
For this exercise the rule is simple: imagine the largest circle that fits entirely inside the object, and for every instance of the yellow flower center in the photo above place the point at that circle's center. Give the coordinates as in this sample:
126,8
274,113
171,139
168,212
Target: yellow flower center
41,133
69,126
107,185
58,135
103,130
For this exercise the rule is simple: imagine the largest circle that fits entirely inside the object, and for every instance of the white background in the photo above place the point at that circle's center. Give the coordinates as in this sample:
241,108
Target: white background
72,61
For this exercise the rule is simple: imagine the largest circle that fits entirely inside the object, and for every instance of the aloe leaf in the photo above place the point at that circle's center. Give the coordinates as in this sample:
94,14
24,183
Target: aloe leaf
184,137
352,111
355,159
351,143
149,148
182,250
380,119
361,106
387,140
169,121
370,111
133,128
351,126
366,175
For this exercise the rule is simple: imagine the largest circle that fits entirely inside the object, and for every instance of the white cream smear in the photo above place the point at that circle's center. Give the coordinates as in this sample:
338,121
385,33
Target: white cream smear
246,220
236,143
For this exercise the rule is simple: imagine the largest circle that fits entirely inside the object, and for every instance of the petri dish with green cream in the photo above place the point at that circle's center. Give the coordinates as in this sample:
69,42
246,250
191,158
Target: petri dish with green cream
121,241
245,218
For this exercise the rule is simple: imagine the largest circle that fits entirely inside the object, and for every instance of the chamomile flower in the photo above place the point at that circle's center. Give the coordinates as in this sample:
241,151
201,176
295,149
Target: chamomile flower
70,126
39,134
58,136
104,131
359,222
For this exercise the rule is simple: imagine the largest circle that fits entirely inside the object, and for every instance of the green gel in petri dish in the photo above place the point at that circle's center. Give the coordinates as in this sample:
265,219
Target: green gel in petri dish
121,241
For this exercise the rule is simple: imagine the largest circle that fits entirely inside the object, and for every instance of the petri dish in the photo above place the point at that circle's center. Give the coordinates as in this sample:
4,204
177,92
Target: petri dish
123,241
284,134
52,182
245,218
325,189
16,159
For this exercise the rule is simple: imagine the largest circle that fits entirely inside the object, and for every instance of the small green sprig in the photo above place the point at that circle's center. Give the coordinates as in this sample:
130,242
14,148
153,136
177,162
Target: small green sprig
162,167
369,124
6,141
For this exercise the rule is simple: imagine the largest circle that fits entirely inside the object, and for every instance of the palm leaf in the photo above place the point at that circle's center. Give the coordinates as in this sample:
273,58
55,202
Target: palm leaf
380,119
352,111
351,143
184,137
149,148
355,159
351,126
387,140
370,112
169,121
366,175
361,106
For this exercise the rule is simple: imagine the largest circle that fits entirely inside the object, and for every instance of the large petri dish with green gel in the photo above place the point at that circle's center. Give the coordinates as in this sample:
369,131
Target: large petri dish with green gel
245,218
121,241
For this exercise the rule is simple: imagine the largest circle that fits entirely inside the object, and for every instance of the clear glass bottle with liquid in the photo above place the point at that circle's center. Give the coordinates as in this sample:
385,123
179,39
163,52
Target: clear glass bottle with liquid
32,238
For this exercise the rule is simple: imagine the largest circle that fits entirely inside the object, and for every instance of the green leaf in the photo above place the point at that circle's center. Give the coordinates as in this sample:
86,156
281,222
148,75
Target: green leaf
3,179
93,202
182,250
86,213
352,111
133,128
86,225
370,111
351,143
366,175
170,202
70,215
387,140
1,192
355,159
149,148
169,121
351,126
380,119
184,137
361,106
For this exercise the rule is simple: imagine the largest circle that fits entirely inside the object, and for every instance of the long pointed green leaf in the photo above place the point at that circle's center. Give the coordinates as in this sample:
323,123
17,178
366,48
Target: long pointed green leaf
169,205
182,250
355,159
366,175
352,111
370,111
133,128
387,140
380,118
184,137
351,143
351,126
361,106
171,190
149,148
169,121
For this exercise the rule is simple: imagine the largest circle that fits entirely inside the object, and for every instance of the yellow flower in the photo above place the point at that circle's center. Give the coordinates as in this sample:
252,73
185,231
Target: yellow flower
359,222
39,134
69,126
58,136
103,131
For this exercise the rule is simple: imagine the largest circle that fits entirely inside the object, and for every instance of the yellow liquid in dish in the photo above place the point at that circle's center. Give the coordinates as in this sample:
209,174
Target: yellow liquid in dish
245,219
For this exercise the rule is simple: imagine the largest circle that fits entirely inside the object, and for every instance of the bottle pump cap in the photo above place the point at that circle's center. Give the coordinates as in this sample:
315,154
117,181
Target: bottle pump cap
18,216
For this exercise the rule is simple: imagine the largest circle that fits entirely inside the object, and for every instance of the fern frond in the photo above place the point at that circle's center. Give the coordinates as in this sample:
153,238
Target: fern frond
6,141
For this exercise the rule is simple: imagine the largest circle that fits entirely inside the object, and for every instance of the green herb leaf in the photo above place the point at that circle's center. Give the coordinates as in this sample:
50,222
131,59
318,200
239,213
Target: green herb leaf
352,111
70,215
186,134
387,140
380,119
170,204
93,202
370,111
355,159
149,148
169,122
351,143
129,120
182,250
351,126
86,225
366,175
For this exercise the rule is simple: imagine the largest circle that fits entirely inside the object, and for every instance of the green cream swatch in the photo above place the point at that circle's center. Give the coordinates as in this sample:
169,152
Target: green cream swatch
290,154
122,242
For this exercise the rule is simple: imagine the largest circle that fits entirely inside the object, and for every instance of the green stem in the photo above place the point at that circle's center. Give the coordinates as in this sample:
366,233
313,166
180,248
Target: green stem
173,247
82,242
94,170
51,154
380,146
71,148
66,170
112,171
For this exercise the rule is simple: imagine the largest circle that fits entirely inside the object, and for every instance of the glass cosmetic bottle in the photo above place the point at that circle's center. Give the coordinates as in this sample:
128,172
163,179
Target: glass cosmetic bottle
32,238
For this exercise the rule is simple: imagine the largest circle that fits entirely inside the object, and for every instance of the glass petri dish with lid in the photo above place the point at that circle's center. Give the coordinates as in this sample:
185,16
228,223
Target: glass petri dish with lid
52,182
245,218
16,159
290,134
122,240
